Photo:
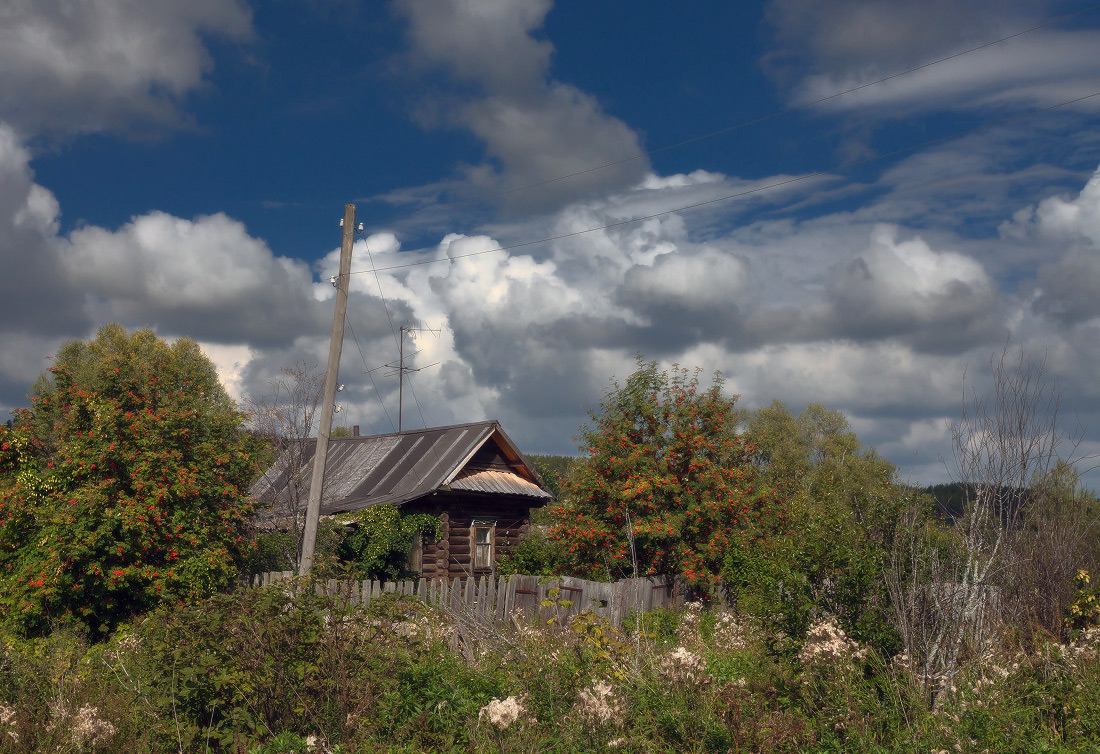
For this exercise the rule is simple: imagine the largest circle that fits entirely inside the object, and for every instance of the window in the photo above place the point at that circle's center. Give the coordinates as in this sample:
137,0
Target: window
483,544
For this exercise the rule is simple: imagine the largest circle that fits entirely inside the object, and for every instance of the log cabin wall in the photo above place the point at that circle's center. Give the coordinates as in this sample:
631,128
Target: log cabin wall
452,555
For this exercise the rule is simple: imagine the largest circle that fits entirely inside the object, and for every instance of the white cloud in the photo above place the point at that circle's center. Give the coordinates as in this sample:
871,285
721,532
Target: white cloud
80,67
535,129
206,275
1067,231
935,299
826,47
1040,70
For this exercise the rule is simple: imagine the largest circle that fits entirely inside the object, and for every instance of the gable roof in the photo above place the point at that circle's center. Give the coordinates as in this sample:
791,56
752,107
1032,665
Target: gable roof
399,467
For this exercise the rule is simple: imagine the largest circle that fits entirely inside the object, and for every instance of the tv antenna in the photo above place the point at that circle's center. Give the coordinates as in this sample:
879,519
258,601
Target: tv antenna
402,370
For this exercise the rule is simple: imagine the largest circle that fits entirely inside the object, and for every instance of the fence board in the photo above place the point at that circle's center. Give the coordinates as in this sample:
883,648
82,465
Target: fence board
500,597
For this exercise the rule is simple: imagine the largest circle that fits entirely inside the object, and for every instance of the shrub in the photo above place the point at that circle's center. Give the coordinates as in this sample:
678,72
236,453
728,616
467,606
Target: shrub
122,487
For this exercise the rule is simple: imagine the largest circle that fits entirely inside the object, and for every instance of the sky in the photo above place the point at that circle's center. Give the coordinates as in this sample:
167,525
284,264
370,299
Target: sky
694,183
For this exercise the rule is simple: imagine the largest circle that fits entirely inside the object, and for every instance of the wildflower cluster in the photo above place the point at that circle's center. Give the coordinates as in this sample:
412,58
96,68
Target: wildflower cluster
502,713
89,730
731,634
827,644
683,667
7,724
598,705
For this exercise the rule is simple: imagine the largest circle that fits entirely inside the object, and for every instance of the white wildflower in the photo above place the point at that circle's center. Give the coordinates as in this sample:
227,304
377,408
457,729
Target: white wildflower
729,634
598,704
502,713
89,730
688,629
684,666
827,643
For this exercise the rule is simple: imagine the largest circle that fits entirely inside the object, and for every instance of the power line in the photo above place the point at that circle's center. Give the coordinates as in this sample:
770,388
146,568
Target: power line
747,192
396,337
744,124
369,373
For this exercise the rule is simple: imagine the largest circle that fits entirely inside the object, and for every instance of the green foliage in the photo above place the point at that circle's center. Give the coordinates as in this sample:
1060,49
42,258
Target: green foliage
122,486
537,554
276,665
1084,611
551,469
270,551
846,508
272,670
377,546
663,468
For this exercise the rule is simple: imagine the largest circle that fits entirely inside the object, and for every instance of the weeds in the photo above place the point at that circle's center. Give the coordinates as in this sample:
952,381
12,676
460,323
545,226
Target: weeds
279,670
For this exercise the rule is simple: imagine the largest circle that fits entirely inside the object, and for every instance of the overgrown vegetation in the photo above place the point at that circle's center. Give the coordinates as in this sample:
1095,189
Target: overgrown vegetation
269,670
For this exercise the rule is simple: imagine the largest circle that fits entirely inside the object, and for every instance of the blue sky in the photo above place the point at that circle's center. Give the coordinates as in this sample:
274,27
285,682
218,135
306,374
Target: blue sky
184,166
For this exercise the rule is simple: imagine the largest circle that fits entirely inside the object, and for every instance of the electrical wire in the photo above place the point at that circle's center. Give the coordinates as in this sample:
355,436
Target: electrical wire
740,194
397,341
738,126
363,358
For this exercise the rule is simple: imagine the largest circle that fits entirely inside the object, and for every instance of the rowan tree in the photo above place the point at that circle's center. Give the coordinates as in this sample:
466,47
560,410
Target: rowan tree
665,483
123,485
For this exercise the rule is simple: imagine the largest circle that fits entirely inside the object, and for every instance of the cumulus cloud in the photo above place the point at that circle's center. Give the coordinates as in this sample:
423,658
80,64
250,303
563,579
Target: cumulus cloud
1067,286
82,67
535,129
206,277
936,300
878,310
35,300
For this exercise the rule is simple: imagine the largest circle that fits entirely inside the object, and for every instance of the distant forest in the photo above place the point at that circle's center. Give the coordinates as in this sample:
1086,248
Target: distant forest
950,499
552,468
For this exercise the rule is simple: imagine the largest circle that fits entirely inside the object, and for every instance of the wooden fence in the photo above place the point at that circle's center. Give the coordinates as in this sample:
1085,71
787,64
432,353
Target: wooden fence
491,597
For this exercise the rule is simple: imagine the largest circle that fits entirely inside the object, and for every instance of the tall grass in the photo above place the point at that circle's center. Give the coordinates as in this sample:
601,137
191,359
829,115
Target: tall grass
270,671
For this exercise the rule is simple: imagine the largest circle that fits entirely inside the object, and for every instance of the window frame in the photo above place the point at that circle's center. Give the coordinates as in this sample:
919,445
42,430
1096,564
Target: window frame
487,563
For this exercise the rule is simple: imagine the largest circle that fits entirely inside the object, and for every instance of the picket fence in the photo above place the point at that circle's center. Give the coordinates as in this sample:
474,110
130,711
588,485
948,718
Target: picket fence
500,598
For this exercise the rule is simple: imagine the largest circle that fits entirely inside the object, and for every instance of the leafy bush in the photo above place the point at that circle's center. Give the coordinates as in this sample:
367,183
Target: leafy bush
275,670
377,545
537,554
123,486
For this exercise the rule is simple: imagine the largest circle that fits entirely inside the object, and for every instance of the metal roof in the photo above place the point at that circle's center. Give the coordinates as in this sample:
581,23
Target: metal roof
501,482
397,468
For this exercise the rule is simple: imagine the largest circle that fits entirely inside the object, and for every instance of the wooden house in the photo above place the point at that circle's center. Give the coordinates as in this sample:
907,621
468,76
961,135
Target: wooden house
471,476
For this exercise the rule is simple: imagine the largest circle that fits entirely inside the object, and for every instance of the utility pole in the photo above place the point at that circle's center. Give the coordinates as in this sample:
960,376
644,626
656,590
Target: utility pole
320,455
400,376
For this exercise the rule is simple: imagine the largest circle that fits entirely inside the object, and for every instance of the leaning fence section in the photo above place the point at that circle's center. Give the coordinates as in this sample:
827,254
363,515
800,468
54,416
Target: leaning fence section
501,597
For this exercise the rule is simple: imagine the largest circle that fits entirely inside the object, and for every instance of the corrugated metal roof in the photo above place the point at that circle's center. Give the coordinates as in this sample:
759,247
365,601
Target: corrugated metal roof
498,481
394,468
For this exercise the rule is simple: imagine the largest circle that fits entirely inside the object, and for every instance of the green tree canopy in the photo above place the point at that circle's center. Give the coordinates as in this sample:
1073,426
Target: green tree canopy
123,485
846,509
662,466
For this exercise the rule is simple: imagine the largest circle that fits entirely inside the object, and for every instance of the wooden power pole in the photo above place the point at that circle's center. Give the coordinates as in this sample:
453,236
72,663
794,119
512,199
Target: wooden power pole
320,455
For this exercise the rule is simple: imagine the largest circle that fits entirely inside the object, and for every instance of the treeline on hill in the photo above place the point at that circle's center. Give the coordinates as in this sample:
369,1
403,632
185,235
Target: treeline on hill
837,608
